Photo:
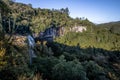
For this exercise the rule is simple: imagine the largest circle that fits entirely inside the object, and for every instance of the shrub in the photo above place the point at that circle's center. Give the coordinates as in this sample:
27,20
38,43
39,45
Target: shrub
71,70
44,65
94,71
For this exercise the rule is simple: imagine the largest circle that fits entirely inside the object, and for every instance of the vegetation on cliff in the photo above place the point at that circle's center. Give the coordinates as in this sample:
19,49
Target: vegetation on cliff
93,54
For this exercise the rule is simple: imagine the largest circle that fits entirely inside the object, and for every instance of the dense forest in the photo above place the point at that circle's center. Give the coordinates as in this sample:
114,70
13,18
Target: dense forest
81,50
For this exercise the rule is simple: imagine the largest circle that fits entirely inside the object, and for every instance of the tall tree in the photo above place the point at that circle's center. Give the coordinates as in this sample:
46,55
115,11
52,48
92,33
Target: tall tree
67,10
4,9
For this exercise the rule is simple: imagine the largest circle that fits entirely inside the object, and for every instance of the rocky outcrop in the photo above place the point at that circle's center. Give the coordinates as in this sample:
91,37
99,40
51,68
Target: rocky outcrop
19,40
50,33
78,29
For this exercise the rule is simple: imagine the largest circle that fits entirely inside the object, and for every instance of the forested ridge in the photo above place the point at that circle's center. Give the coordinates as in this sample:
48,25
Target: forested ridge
84,51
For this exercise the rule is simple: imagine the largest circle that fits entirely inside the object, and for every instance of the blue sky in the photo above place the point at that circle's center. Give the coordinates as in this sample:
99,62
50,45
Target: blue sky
97,11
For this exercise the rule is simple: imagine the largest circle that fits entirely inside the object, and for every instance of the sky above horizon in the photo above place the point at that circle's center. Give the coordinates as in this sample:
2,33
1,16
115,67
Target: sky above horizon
97,11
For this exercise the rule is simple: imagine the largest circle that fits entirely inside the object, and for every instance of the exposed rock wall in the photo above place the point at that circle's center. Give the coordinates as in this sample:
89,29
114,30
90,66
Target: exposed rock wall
78,29
19,40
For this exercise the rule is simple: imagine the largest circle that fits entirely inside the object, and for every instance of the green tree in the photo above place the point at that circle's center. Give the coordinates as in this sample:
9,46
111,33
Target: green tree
71,70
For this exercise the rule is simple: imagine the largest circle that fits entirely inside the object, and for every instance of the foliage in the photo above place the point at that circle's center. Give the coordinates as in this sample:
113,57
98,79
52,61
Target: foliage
113,27
4,8
93,70
100,38
88,55
71,70
38,19
35,77
44,65
2,55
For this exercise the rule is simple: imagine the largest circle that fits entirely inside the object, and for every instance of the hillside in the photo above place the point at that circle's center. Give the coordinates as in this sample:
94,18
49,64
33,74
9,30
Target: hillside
114,27
39,19
78,50
104,36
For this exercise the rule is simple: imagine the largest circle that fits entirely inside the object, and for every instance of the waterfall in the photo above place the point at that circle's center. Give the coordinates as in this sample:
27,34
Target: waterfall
31,44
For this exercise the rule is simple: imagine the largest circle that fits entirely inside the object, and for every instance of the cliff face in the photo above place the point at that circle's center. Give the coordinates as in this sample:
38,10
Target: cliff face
50,33
78,29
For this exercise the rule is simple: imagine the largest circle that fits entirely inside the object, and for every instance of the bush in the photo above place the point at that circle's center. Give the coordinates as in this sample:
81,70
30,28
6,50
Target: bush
94,71
44,65
71,70
16,63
